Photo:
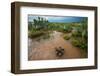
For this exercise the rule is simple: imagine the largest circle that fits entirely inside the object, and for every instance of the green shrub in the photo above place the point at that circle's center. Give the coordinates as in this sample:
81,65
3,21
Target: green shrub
83,46
35,34
76,34
79,43
67,29
66,37
76,42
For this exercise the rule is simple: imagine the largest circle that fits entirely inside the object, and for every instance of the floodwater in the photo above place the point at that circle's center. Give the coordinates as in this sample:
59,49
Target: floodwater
44,49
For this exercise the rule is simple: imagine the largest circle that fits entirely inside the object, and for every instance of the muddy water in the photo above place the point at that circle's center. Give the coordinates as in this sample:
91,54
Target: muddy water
44,49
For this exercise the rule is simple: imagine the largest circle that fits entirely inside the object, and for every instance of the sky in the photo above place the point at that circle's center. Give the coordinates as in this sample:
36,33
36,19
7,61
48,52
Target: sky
60,19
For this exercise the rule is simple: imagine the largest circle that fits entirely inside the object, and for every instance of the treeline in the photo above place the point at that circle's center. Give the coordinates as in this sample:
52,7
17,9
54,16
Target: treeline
42,23
39,23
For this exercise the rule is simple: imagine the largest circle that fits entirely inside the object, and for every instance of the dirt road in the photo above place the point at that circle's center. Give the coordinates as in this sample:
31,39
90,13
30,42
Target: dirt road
45,49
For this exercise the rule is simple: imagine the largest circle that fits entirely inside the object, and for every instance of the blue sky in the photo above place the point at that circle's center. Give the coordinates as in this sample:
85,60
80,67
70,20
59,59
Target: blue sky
61,19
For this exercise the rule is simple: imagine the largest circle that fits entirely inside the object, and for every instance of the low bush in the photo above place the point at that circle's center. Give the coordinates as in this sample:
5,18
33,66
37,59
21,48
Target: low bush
35,34
79,43
83,46
66,37
76,34
76,42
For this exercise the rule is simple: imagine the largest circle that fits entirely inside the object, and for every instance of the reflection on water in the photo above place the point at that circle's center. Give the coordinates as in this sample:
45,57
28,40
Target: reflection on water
43,47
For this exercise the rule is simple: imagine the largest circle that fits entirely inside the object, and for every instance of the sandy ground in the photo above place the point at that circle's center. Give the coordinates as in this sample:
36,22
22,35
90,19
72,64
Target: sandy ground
45,50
